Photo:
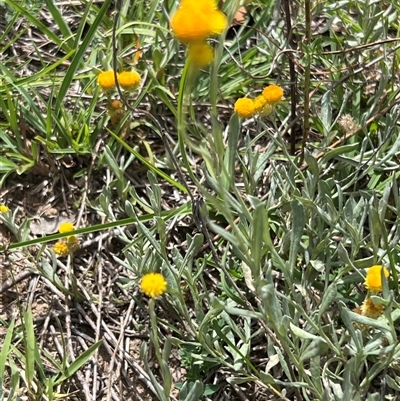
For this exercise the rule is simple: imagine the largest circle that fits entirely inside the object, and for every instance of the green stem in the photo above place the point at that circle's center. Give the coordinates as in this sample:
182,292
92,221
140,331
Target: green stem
184,93
154,328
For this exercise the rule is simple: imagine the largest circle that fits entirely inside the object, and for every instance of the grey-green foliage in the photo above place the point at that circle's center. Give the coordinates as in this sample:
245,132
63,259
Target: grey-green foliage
291,240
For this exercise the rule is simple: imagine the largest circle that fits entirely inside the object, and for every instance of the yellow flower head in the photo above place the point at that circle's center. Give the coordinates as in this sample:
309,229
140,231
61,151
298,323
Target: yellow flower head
369,309
61,248
273,94
129,80
196,20
259,103
72,243
153,284
106,80
200,54
261,106
65,227
115,105
266,110
244,107
116,111
373,281
4,209
204,6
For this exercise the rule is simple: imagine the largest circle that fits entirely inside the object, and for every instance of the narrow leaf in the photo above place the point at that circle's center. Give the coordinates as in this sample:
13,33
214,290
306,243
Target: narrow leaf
6,347
328,298
298,223
79,362
30,344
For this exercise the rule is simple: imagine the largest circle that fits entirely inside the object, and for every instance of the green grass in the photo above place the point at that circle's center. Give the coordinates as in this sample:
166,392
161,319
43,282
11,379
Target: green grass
264,249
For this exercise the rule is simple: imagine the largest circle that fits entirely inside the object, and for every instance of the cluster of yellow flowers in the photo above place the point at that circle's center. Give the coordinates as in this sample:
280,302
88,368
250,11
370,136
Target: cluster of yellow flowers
71,244
262,105
128,80
373,282
194,22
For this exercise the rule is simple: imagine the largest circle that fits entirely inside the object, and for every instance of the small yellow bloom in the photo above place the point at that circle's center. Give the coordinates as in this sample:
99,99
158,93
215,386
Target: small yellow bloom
266,110
261,106
200,54
61,248
369,309
72,243
373,281
244,107
116,110
129,80
195,21
66,227
116,104
4,209
259,103
200,5
106,80
153,284
273,94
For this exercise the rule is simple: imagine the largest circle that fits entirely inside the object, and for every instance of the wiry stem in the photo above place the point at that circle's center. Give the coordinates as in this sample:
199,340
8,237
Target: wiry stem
307,79
293,77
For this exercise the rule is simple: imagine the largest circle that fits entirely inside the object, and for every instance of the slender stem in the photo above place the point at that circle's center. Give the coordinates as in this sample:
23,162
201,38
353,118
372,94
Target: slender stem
293,77
184,93
307,80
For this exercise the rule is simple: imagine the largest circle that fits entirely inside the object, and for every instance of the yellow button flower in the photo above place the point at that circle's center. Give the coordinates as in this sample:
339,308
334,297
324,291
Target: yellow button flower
66,227
116,110
373,281
273,94
266,110
200,54
129,79
259,103
200,5
244,107
195,21
369,309
4,209
72,243
61,248
116,104
106,80
261,106
153,284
